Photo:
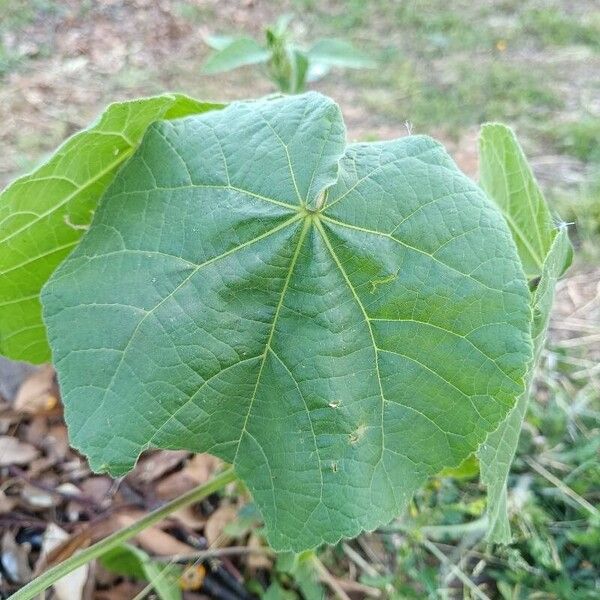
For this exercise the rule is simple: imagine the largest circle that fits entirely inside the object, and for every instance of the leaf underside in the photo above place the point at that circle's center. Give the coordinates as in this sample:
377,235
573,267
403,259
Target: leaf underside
545,252
338,322
44,214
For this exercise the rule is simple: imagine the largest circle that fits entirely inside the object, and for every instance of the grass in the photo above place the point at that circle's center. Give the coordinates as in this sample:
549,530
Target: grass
580,138
455,64
555,27
498,91
556,544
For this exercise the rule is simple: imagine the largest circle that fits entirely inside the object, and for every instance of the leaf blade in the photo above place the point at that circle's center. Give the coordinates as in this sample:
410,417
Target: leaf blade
506,177
278,316
497,453
240,52
43,214
339,53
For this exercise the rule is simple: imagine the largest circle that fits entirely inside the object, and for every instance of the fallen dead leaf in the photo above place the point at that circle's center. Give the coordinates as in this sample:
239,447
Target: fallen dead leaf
153,466
190,517
90,533
154,540
7,503
38,499
38,393
123,591
214,531
257,560
57,442
35,432
196,471
14,559
96,487
71,586
15,452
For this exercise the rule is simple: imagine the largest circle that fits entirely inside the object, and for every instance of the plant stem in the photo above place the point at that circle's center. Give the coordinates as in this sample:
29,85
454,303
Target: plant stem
455,569
52,575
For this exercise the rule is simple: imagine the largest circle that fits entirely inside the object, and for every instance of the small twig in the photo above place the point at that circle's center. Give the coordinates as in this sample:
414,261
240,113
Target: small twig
438,532
354,587
565,489
214,553
46,579
80,498
356,558
457,571
329,580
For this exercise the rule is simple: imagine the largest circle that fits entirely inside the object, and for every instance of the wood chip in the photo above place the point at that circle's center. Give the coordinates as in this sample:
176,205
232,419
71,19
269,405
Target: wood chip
39,393
214,532
15,452
71,586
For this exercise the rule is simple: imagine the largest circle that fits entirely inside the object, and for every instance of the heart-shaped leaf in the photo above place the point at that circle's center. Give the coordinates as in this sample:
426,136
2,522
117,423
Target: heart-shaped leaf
338,322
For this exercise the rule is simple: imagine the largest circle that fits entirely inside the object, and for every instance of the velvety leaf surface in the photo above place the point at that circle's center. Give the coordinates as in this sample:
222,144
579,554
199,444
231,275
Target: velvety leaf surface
499,154
44,213
338,322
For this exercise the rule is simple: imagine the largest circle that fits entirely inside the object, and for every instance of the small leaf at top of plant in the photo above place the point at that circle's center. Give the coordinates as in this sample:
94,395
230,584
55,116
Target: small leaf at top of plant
240,52
339,53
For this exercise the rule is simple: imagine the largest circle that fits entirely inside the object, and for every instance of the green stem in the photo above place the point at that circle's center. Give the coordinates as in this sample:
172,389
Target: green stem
52,575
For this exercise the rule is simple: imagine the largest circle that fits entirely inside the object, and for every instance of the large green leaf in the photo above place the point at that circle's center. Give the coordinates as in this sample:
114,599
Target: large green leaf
507,175
338,322
44,213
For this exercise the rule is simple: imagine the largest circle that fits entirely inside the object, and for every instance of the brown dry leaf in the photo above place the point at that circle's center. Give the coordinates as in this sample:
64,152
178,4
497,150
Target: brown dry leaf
153,466
36,498
96,487
39,393
123,591
14,559
56,443
84,537
71,586
196,471
12,374
216,523
154,540
190,518
7,503
40,466
257,560
15,452
35,432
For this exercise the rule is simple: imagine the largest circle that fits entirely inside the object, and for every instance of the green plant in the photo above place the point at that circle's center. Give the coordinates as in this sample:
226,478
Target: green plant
287,64
339,322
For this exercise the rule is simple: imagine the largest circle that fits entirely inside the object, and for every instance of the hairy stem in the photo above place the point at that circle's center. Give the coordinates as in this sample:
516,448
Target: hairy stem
52,575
